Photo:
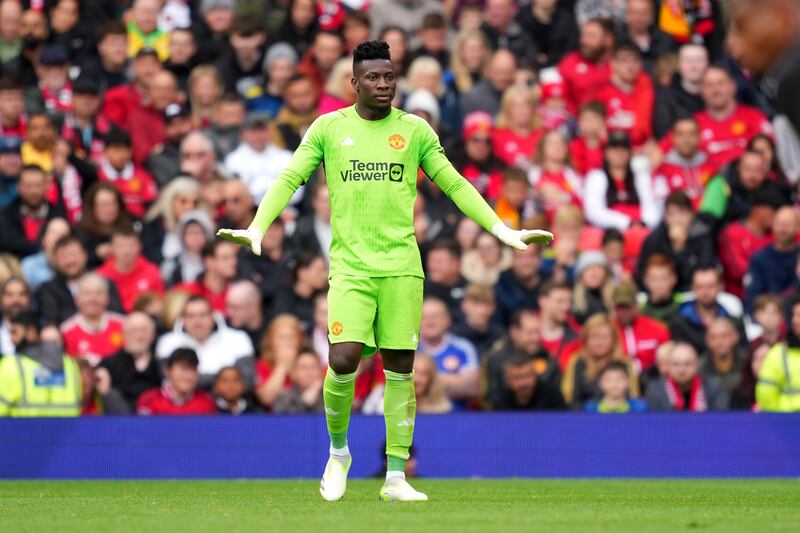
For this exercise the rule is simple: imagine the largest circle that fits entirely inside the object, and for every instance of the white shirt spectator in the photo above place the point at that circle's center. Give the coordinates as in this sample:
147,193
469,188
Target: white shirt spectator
599,214
259,170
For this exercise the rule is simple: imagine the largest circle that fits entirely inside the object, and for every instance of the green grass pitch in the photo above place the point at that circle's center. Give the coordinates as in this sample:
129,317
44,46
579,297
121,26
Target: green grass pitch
456,505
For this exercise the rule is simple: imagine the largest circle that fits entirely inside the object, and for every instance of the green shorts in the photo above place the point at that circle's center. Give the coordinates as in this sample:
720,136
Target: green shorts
377,312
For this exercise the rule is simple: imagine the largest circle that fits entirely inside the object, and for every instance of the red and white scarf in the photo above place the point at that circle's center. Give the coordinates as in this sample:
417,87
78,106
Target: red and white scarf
697,396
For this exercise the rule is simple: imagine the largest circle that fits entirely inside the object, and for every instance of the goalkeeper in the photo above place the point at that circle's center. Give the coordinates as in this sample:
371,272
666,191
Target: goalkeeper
371,152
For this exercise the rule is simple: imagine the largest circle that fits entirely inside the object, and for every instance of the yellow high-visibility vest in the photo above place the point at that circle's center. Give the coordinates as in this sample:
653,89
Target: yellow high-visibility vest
30,389
778,387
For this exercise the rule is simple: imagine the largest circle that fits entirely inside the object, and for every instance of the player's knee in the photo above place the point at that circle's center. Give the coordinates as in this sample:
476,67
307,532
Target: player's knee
344,358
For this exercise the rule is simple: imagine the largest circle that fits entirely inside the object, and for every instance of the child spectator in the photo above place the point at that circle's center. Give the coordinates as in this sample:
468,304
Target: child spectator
514,204
305,395
768,314
178,395
230,393
429,390
554,181
660,280
136,185
586,150
614,383
127,268
613,247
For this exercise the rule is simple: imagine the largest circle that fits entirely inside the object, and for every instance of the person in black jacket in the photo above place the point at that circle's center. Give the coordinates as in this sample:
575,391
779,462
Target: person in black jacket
313,231
685,238
523,389
682,98
241,68
553,29
24,217
54,299
211,29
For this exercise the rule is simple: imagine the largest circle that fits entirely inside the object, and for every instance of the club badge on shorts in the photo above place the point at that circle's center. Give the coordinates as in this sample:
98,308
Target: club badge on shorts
337,328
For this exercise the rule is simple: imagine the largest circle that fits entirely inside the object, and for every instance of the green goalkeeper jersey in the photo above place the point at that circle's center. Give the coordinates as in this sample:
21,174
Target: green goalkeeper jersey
371,169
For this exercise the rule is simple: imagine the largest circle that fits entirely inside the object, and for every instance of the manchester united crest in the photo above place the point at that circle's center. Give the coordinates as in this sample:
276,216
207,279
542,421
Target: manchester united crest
337,328
397,141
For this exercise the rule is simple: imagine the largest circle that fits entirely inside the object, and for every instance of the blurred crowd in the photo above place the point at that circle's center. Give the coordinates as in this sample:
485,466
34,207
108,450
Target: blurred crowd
130,131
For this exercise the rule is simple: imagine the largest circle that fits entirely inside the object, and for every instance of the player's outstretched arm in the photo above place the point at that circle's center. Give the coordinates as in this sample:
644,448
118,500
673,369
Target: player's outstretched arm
472,204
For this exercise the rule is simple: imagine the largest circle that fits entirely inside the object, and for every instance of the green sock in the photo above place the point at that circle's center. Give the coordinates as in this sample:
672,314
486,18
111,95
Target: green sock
338,392
399,413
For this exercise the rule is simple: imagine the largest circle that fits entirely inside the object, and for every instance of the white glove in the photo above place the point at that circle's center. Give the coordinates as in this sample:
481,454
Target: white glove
520,239
245,237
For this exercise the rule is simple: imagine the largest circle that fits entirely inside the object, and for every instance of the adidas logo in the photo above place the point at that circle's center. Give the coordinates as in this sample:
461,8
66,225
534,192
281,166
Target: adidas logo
407,423
413,337
348,141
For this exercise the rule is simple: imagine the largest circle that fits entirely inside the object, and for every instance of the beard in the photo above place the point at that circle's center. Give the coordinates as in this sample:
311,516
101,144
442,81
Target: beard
31,42
593,53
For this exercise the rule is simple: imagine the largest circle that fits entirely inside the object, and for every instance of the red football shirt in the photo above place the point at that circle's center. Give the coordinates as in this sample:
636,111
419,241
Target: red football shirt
631,112
162,401
136,185
736,246
582,78
511,147
725,140
197,288
144,276
585,159
642,338
94,344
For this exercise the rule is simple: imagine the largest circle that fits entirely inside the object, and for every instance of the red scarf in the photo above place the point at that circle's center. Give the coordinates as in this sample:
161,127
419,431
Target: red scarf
697,397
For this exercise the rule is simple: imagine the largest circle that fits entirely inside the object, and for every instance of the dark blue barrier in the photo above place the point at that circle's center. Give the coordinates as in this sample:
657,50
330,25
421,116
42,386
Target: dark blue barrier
462,445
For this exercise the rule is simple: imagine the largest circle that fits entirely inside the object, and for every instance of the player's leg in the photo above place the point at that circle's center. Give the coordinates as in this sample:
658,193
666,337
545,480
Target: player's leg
399,313
351,314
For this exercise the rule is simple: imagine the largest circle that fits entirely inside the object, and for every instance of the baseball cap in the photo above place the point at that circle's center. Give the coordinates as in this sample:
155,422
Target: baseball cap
10,144
183,355
477,122
174,110
54,55
86,85
211,5
624,294
256,120
618,139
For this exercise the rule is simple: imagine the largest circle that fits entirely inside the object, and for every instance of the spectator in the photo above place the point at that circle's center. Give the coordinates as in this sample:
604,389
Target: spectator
429,391
134,183
618,197
455,357
485,95
271,265
628,95
241,66
693,317
485,262
35,32
552,29
10,167
182,49
444,279
780,369
55,299
23,219
660,279
40,138
477,327
15,298
773,268
312,232
515,205
98,398
239,209
108,68
211,29
280,62
120,100
219,269
685,238
469,57
310,278
179,395
555,182
256,161
721,365
10,41
683,388
614,384
13,120
318,334
164,162
230,393
523,389
587,69
769,316
205,88
558,331
244,311
296,115
593,286
685,167
128,270
744,397
40,381
475,160
640,29
682,98
518,287
143,30
586,150
408,15
600,345
217,345
54,93
103,211
503,32
743,238
84,128
305,396
160,238
518,129
133,369
146,122
226,121
426,73
94,332
397,39
195,231
726,126
318,61
38,268
433,39
279,348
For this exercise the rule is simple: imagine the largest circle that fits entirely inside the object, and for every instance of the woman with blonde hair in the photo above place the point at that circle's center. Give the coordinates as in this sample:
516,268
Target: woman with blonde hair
174,303
554,181
468,59
205,87
160,239
431,397
518,127
339,93
600,344
594,284
426,73
282,341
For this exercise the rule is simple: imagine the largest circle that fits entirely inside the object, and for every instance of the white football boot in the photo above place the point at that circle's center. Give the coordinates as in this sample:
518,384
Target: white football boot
334,480
397,489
